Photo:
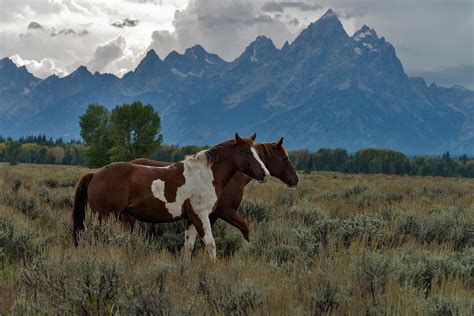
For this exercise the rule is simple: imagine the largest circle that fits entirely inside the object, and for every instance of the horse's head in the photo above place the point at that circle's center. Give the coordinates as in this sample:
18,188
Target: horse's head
247,160
275,157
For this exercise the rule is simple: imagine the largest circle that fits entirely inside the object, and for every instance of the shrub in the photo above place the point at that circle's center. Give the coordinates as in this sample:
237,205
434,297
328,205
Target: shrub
449,226
420,269
18,241
355,190
23,201
371,271
64,183
84,284
228,298
169,236
56,199
256,211
147,293
442,306
112,232
325,297
308,217
358,226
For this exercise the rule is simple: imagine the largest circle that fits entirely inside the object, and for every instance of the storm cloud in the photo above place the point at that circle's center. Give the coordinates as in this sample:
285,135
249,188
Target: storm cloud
55,31
281,6
34,26
125,23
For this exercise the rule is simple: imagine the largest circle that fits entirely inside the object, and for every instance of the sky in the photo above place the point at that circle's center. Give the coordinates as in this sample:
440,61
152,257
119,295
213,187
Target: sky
434,39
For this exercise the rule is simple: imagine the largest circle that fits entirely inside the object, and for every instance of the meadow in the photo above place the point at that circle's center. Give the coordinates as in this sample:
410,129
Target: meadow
338,244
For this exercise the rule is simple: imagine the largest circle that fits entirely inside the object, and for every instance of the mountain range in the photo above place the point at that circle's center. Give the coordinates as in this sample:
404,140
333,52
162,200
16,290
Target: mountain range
325,89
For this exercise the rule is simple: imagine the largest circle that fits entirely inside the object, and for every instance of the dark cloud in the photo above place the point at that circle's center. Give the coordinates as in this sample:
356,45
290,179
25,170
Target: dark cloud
68,31
125,23
281,6
212,20
224,27
107,53
34,26
294,22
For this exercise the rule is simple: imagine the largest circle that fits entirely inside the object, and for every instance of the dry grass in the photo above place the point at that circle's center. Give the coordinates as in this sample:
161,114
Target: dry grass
338,244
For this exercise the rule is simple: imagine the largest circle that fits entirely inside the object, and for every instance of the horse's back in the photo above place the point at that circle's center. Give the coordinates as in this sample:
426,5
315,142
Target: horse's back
112,184
149,162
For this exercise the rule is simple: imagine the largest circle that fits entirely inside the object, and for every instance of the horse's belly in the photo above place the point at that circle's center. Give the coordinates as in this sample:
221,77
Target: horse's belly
150,210
152,216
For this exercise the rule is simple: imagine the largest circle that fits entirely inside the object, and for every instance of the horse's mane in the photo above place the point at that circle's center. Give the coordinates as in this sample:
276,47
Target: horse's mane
224,150
267,149
220,151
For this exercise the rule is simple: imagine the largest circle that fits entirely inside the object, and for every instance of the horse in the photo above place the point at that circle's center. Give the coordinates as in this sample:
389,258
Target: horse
188,189
275,157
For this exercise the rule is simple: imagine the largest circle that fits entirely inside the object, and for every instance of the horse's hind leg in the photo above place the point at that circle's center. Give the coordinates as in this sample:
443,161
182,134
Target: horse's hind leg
126,219
189,240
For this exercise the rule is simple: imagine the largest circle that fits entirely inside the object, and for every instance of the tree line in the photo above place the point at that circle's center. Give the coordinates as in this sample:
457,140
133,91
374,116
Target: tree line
127,132
41,150
133,130
371,160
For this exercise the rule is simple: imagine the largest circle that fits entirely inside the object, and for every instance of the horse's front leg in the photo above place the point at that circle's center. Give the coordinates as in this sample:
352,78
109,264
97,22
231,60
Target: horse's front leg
202,224
208,237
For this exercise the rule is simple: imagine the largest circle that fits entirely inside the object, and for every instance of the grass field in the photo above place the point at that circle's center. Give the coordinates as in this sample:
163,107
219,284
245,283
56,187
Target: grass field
338,244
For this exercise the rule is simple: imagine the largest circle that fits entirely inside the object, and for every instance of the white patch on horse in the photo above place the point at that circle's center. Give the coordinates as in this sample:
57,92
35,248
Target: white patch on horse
198,187
208,237
255,155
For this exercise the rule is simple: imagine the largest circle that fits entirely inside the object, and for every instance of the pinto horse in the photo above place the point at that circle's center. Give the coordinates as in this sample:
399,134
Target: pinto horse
188,189
275,158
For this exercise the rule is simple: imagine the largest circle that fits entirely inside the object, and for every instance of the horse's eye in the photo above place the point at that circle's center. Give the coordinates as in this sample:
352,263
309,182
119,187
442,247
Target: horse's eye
249,153
285,158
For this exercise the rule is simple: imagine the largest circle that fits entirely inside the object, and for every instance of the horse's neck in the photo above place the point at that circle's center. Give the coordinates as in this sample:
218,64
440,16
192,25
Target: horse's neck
223,172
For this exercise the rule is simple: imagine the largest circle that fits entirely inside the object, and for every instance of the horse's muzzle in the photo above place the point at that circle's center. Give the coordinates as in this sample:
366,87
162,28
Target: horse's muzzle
293,182
263,177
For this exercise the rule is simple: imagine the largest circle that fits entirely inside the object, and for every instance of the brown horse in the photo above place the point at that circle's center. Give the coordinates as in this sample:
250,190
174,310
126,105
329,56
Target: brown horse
188,189
275,158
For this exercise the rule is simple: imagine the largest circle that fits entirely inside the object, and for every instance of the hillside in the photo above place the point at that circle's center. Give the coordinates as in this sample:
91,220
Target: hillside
325,89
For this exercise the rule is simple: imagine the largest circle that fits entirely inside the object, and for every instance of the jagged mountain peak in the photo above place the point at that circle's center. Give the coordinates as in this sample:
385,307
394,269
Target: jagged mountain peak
151,58
80,71
149,62
330,14
199,53
151,54
194,63
7,65
196,52
365,33
325,89
6,61
260,50
327,30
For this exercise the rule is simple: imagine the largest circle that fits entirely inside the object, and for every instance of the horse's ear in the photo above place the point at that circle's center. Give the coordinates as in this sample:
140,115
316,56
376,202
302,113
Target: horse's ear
238,138
253,137
280,142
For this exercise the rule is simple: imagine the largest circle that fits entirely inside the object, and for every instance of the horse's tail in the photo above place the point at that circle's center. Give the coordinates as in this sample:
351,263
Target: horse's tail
80,202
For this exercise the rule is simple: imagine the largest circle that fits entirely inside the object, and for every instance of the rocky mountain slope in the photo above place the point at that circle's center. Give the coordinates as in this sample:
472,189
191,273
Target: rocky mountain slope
326,89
